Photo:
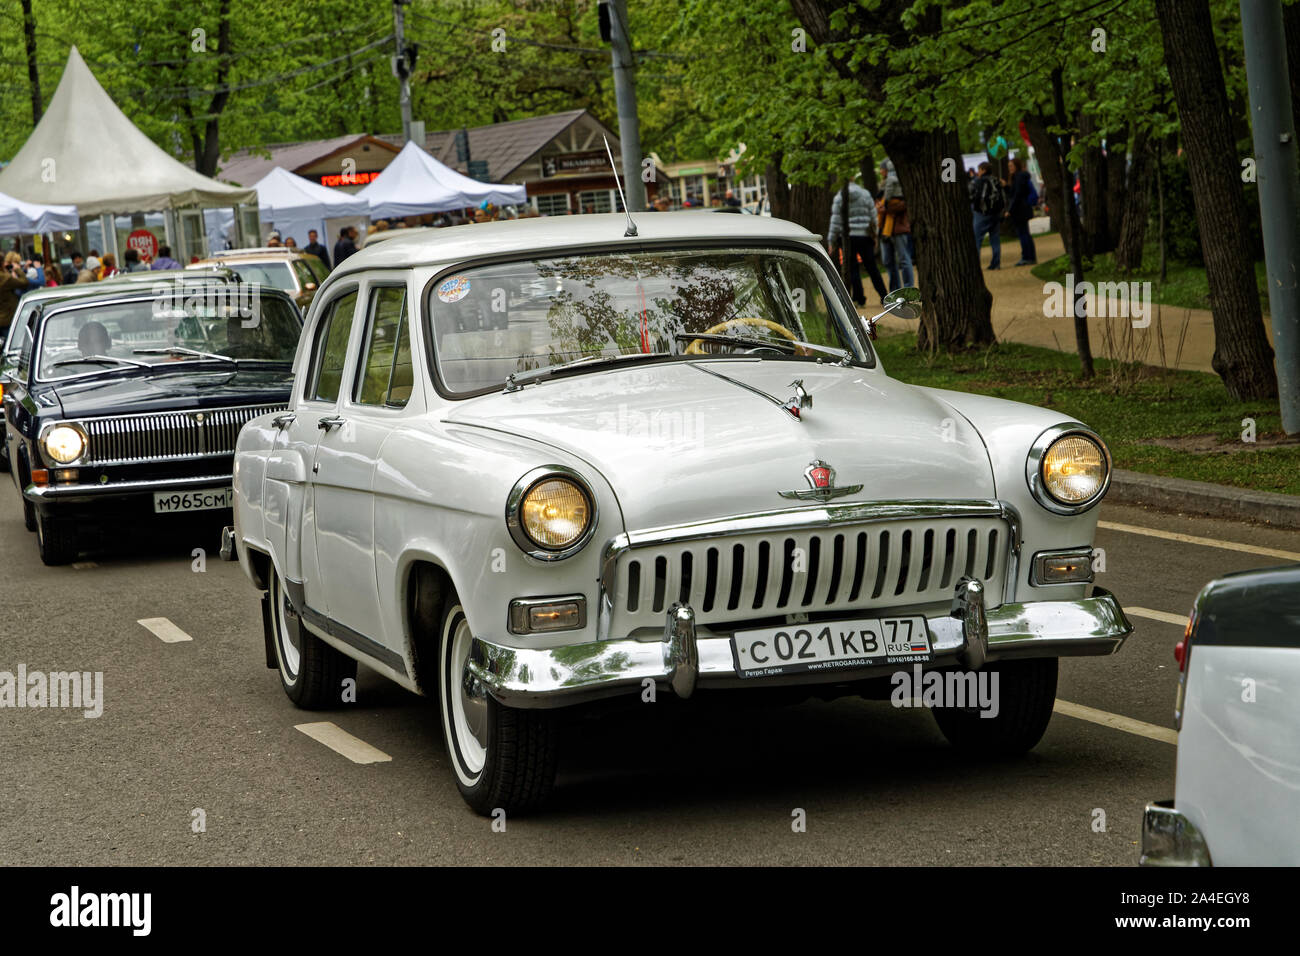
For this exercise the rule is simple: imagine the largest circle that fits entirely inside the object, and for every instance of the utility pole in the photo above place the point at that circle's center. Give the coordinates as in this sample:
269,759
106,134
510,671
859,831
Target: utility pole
403,63
629,127
1273,129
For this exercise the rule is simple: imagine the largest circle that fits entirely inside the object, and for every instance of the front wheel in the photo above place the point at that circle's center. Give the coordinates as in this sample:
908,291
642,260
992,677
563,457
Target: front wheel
311,672
503,758
57,539
1024,694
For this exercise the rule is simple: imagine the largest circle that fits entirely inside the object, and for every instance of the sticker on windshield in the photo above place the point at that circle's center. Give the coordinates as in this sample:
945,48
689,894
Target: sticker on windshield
453,289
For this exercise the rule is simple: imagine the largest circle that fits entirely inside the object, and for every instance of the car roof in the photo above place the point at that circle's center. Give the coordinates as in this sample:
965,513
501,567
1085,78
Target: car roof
261,254
405,232
546,233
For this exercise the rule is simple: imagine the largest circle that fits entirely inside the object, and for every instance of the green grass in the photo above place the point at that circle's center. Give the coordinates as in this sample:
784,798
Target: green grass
1128,405
1185,286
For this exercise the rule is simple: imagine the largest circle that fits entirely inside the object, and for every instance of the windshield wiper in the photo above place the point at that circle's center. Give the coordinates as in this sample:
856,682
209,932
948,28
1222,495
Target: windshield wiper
516,380
181,350
789,345
100,360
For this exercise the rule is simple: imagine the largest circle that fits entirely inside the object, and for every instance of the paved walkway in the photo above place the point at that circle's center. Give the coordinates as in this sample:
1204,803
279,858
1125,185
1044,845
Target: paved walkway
1018,316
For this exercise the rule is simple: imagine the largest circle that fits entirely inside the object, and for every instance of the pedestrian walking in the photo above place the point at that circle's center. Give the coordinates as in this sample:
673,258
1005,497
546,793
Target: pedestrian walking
988,203
90,270
346,246
861,242
133,264
109,267
70,273
13,281
165,260
1021,202
895,229
314,248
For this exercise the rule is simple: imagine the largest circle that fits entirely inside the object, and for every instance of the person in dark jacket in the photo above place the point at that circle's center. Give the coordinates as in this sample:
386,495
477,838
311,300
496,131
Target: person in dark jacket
70,273
861,240
314,248
13,281
346,246
1020,209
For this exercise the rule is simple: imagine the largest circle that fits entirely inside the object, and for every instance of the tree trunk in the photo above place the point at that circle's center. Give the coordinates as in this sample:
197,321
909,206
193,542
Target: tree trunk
810,206
1242,356
1073,229
955,302
1045,149
846,246
778,188
1137,207
33,75
207,160
1118,183
1291,24
869,180
1093,190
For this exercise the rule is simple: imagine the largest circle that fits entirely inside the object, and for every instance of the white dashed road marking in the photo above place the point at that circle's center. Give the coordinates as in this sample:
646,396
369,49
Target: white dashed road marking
340,741
1207,542
165,630
1165,616
1114,721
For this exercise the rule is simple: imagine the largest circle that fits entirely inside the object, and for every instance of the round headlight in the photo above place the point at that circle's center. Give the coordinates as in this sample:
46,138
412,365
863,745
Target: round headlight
555,513
1074,469
64,444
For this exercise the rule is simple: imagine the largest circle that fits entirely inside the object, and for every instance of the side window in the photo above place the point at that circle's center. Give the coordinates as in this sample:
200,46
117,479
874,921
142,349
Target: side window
330,350
304,273
385,376
20,346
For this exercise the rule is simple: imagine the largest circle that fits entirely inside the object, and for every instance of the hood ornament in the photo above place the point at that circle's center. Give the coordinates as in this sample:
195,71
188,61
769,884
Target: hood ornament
800,400
821,484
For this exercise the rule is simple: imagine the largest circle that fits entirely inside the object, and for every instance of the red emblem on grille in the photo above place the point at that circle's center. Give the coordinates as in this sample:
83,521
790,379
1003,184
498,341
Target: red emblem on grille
821,482
820,476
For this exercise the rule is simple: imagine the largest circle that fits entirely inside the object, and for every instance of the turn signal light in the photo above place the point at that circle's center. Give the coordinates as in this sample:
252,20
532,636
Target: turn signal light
40,476
1180,654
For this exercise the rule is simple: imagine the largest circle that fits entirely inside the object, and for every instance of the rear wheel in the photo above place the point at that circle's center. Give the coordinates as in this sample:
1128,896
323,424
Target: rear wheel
56,538
311,672
1025,694
503,758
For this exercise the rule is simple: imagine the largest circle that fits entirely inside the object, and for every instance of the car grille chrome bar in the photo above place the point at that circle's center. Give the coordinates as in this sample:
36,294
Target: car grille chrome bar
886,554
164,436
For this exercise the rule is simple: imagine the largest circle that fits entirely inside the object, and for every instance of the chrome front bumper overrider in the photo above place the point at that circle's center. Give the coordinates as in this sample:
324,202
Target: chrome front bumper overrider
687,657
1169,838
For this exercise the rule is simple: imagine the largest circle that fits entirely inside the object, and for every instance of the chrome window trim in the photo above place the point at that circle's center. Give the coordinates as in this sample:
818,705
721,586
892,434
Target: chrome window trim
799,519
515,500
1034,468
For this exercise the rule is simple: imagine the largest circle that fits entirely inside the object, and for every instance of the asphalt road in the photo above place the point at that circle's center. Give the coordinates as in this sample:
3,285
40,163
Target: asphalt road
204,725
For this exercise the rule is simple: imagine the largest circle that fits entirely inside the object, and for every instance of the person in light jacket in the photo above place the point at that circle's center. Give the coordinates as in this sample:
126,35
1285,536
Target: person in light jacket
861,242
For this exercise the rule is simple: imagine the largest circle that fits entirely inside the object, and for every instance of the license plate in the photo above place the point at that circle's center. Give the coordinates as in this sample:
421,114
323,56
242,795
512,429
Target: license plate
207,499
830,645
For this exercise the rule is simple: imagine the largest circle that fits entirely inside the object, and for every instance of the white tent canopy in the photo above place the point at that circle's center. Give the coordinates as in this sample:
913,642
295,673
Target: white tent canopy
85,152
416,183
291,205
29,217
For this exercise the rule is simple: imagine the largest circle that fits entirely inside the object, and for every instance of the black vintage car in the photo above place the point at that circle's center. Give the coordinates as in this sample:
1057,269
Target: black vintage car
124,404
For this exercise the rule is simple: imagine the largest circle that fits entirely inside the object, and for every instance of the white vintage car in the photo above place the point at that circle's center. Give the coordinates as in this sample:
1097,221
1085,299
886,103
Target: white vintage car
534,464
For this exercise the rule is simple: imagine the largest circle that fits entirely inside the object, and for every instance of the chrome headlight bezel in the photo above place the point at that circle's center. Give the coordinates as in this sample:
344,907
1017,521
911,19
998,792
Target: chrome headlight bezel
514,507
72,426
1034,468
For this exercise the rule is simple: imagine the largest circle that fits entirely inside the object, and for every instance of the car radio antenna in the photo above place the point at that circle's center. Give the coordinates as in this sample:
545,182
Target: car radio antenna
631,226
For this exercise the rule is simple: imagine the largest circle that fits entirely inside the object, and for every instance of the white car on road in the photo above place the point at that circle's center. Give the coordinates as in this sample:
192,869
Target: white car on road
680,469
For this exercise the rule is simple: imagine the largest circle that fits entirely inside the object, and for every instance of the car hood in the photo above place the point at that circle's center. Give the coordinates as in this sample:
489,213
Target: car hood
198,388
678,444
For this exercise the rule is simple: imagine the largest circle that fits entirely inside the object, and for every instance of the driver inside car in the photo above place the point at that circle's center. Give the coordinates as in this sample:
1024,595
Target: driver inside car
93,339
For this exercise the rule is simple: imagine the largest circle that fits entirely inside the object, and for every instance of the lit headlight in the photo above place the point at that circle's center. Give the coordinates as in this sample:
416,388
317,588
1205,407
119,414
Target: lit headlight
64,444
550,513
1068,469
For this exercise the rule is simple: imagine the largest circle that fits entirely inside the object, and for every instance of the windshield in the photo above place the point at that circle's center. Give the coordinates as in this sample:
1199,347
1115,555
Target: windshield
112,336
494,321
275,274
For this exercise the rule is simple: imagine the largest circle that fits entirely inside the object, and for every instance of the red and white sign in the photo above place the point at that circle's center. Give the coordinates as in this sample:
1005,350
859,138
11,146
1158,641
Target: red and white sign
144,242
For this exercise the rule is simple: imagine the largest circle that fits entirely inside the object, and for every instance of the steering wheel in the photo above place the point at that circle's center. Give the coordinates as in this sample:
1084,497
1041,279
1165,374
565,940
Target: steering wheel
696,347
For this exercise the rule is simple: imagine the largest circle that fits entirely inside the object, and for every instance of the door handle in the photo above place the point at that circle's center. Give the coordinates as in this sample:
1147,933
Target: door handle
330,421
283,420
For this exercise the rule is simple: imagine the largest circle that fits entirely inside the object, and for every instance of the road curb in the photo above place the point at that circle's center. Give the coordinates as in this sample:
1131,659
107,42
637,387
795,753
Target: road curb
1204,498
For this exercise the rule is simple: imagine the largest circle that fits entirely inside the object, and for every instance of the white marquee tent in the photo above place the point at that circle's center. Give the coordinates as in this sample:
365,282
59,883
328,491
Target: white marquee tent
416,183
291,205
17,216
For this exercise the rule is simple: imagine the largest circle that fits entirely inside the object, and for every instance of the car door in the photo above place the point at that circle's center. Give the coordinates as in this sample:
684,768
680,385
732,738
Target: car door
289,488
369,407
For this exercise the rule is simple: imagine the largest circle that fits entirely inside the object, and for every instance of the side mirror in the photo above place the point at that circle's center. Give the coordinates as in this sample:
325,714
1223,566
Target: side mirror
902,302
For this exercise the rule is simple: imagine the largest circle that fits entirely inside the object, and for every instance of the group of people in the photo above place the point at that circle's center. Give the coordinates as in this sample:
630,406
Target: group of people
878,222
314,247
993,200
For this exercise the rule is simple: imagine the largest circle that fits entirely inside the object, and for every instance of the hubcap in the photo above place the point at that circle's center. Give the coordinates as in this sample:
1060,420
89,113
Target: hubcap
468,702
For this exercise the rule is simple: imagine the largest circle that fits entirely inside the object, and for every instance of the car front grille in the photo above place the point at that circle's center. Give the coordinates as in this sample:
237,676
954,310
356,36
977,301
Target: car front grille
861,567
160,436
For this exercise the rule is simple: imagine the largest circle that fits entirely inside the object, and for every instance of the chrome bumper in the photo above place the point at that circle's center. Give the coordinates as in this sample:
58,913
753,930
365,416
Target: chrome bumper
1170,839
687,657
35,493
